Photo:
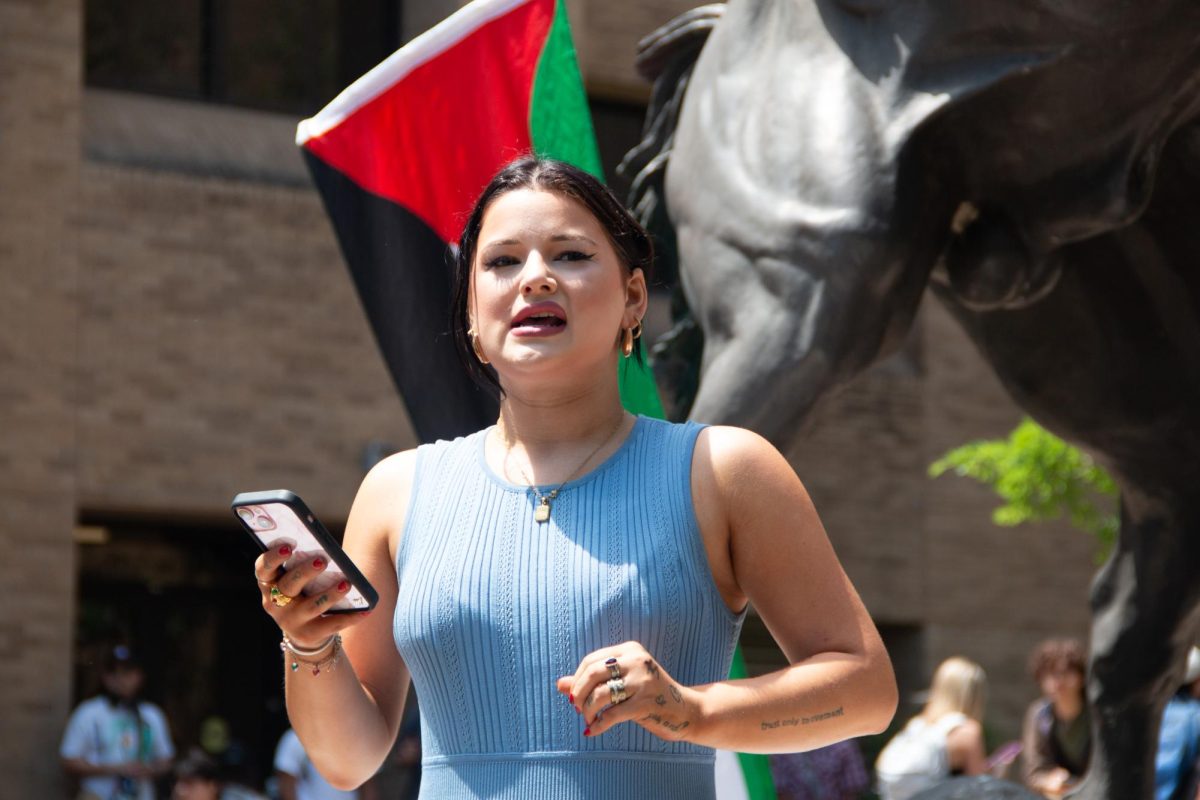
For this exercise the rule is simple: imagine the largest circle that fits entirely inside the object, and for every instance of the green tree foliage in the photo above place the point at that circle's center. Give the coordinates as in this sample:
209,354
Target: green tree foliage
1039,477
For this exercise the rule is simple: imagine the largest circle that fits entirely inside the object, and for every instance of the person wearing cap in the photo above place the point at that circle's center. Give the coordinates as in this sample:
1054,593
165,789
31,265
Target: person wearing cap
1175,767
116,744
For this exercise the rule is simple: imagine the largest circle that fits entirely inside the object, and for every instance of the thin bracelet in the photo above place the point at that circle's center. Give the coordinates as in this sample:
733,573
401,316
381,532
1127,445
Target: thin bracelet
304,653
328,662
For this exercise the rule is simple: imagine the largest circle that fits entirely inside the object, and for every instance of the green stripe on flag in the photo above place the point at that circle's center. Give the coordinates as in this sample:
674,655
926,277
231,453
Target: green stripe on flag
560,122
756,768
560,126
639,392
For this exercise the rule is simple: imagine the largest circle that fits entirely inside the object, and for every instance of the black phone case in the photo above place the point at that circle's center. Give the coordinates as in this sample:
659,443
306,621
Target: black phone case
333,550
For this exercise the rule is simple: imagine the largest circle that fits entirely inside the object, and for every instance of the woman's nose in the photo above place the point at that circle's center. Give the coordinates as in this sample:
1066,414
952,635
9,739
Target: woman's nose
537,277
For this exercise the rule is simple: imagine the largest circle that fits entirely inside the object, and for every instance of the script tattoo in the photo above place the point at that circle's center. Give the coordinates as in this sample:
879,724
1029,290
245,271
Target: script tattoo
651,667
322,600
791,722
662,701
671,726
675,695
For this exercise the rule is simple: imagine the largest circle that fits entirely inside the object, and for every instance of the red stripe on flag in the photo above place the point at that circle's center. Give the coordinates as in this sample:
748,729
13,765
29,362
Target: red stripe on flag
433,140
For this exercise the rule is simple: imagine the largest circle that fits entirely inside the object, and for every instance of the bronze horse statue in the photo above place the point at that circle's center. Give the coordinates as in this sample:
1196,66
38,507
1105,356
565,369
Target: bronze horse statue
1037,162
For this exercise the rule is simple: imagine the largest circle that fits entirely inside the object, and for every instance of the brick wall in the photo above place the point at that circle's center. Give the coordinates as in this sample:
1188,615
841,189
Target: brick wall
39,162
222,348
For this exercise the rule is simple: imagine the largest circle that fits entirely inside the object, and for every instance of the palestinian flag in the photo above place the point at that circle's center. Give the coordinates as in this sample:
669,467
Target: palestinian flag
399,158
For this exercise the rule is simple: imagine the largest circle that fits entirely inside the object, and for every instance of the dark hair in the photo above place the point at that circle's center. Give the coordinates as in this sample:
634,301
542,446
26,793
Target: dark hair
119,657
197,766
1057,655
629,238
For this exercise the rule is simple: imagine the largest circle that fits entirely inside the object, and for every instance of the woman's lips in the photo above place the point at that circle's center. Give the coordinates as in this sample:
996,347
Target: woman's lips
539,319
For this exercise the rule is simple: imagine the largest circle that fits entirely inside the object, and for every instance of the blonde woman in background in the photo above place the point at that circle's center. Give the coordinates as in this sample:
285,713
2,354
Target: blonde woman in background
945,739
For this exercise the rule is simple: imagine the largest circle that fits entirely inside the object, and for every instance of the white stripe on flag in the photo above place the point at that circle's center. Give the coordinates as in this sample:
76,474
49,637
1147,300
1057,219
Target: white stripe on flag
445,34
731,784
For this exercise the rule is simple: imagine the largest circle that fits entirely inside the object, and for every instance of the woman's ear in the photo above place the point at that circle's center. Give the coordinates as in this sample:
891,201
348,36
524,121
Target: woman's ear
637,297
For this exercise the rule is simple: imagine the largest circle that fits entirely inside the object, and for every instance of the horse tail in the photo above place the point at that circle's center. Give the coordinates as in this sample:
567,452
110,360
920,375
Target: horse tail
666,59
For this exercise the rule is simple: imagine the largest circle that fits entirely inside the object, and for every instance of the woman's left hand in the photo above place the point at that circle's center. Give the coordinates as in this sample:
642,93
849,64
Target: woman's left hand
652,698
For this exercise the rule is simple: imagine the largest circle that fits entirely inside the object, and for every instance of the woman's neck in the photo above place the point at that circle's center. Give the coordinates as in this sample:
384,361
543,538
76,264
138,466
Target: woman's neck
545,419
552,435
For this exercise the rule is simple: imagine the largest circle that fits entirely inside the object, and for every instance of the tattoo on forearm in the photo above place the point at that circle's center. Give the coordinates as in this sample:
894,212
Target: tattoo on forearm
675,695
791,722
671,726
322,600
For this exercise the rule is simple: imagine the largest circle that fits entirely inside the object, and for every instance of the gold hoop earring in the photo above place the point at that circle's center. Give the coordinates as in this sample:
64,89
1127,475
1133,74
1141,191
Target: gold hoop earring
475,348
629,336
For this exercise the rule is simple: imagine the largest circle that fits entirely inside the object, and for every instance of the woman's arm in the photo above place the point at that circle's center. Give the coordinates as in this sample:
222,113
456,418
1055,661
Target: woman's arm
765,544
840,682
347,716
964,747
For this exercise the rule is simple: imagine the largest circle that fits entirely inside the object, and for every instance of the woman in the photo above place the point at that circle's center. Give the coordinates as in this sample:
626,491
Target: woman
945,739
566,587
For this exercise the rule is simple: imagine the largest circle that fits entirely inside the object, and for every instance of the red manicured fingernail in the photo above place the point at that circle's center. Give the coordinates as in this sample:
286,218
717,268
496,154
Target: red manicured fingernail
344,586
318,563
572,698
587,731
286,550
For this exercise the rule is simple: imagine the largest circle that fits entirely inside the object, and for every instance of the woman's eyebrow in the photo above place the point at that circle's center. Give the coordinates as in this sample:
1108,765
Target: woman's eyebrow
558,237
572,237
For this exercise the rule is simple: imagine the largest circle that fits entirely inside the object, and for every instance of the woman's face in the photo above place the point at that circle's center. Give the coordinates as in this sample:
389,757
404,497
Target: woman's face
548,288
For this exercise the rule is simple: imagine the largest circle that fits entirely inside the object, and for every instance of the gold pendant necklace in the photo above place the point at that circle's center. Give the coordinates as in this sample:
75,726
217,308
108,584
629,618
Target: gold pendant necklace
542,512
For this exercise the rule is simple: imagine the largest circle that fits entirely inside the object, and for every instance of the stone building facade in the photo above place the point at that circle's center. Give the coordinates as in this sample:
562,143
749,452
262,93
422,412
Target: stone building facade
178,326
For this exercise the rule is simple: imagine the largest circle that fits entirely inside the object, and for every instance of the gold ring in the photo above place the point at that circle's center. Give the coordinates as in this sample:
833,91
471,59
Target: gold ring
616,691
614,669
279,598
265,583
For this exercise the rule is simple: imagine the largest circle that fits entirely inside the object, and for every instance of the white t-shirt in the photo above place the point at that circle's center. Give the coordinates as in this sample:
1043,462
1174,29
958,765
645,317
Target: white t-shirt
103,734
917,758
310,784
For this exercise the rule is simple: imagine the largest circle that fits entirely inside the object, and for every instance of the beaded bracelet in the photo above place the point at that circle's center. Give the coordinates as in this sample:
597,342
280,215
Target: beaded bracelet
301,655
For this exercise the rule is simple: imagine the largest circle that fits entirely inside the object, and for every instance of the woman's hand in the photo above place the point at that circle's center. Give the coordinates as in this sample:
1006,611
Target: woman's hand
299,617
653,699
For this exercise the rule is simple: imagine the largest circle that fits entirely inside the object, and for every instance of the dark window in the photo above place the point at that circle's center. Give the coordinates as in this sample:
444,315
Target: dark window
288,57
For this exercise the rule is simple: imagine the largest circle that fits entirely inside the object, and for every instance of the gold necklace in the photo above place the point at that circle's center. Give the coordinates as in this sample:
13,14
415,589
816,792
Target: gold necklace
542,512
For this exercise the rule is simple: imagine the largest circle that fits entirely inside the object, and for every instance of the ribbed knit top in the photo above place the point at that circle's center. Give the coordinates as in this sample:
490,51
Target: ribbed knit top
494,607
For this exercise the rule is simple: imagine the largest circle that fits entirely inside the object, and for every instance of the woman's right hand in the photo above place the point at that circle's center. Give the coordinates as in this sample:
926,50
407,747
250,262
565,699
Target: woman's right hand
300,617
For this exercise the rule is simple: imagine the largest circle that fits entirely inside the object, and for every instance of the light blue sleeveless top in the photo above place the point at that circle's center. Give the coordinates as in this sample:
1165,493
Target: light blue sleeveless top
493,607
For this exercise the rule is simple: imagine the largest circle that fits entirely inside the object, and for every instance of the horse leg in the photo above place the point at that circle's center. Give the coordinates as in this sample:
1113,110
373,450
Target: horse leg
1146,615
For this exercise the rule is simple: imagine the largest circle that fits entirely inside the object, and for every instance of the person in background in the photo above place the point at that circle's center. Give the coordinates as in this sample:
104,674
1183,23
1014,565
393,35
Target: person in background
836,772
297,778
197,777
1177,764
116,744
944,740
1057,735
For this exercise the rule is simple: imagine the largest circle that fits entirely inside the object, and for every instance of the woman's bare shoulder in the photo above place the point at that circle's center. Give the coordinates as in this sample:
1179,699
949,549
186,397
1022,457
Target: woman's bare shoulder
381,504
731,454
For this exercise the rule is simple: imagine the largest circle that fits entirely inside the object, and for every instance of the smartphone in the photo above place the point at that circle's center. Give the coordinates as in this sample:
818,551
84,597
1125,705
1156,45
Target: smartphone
278,517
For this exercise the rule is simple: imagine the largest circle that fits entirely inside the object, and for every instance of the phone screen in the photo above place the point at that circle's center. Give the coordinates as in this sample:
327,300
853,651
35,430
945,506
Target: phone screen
276,524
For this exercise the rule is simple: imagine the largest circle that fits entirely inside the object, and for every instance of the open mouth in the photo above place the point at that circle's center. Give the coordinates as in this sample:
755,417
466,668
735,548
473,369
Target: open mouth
543,318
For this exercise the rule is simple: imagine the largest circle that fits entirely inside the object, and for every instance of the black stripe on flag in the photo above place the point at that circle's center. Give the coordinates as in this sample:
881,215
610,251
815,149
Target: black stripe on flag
401,270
